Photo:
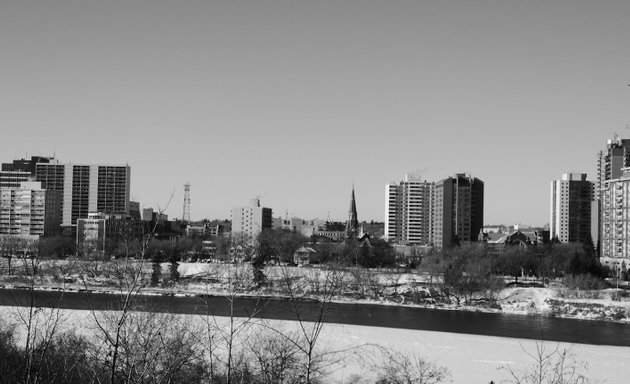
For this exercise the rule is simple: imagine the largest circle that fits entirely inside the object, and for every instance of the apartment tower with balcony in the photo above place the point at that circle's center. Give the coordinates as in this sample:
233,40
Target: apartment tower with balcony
442,214
610,164
86,188
408,211
615,222
29,211
611,161
14,173
571,213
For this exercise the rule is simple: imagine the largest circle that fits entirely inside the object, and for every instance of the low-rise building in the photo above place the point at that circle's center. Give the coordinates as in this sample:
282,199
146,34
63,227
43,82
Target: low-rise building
334,236
303,256
497,243
99,229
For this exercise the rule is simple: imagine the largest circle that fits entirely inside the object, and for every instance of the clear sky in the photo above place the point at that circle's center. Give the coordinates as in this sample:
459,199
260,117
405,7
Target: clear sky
295,101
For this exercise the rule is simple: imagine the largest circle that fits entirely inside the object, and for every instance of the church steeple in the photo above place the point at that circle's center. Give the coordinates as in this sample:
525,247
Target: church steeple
352,225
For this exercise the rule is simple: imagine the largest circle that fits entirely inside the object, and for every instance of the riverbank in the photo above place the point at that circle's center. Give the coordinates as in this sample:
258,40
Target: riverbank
382,287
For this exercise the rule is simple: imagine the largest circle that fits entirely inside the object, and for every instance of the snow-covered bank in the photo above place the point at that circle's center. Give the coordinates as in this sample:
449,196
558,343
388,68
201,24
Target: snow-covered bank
384,287
553,302
470,358
401,288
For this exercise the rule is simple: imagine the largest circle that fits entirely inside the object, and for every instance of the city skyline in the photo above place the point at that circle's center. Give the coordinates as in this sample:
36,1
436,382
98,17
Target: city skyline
297,102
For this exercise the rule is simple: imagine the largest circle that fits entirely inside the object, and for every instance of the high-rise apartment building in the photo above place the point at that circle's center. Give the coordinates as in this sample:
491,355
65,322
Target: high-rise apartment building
443,214
610,164
456,210
248,222
29,210
611,161
572,201
615,222
86,188
12,174
408,211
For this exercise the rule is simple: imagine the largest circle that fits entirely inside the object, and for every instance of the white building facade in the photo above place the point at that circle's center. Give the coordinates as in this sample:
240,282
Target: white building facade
248,222
29,210
408,211
615,221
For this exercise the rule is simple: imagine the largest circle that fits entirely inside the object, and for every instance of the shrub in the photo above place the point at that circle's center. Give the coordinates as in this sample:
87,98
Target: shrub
584,282
549,364
399,368
620,315
62,359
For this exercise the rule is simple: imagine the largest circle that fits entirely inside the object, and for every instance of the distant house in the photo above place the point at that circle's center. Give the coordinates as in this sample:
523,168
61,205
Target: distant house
497,242
412,253
303,255
334,236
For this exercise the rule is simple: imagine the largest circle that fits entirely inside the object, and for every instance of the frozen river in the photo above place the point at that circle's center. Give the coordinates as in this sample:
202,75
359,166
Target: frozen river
388,316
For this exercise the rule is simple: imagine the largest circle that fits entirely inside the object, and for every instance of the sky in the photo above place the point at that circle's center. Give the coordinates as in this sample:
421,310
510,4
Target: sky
296,102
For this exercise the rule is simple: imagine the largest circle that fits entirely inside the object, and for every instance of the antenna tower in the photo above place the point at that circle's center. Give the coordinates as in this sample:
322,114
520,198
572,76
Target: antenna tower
186,214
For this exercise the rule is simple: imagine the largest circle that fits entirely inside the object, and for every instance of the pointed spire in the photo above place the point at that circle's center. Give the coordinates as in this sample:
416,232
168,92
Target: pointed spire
352,225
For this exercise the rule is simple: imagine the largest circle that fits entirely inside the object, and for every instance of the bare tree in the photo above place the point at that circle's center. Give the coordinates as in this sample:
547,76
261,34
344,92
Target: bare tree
62,359
153,346
129,287
549,365
394,277
314,280
469,274
227,338
360,280
41,326
275,357
310,327
433,265
399,368
95,259
9,247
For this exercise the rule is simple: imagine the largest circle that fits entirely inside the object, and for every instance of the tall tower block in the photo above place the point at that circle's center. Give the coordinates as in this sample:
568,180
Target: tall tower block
571,208
408,210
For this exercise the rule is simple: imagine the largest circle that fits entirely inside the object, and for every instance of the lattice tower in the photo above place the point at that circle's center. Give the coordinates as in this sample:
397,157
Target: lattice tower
186,214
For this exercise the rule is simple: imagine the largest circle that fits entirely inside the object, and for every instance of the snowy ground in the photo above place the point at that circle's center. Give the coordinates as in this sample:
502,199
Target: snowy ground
554,300
469,358
477,359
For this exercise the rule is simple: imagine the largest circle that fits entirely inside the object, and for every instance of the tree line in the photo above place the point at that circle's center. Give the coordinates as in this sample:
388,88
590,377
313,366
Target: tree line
467,268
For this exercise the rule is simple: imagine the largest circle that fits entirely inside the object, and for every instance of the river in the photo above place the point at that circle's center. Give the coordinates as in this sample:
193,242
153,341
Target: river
390,316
